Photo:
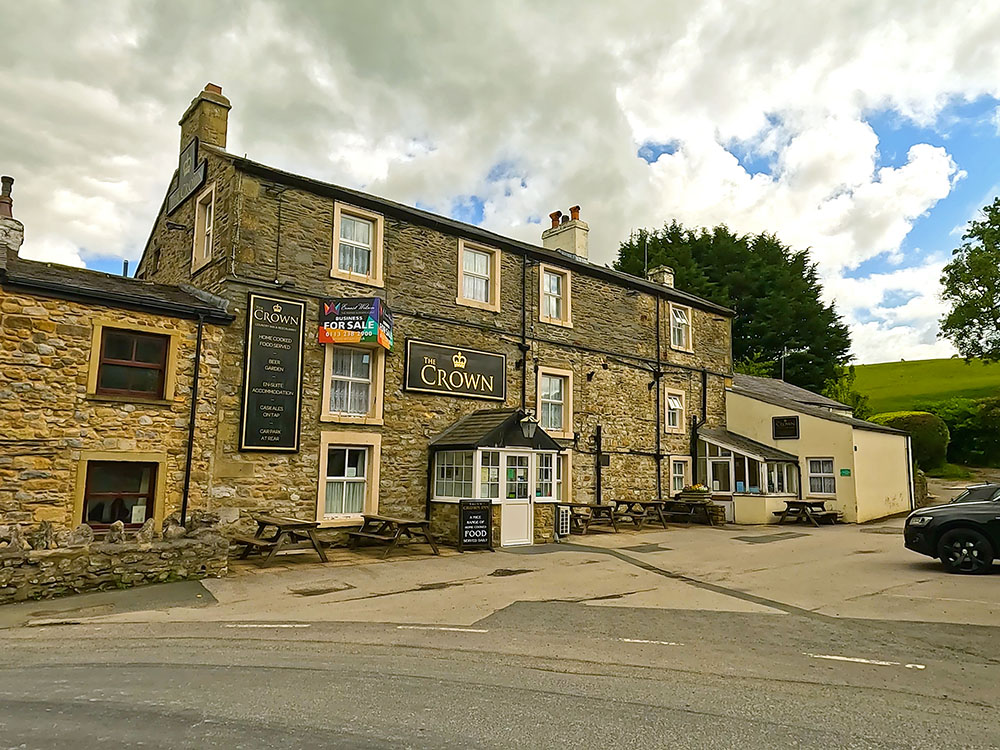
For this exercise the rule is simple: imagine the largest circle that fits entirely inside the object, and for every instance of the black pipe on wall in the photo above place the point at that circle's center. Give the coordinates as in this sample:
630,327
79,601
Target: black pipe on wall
191,420
657,374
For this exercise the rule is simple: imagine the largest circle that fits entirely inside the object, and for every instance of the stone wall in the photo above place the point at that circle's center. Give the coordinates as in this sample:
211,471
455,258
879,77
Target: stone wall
51,422
81,564
278,237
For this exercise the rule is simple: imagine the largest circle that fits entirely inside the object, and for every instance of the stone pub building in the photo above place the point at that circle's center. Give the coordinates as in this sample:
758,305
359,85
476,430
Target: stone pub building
387,359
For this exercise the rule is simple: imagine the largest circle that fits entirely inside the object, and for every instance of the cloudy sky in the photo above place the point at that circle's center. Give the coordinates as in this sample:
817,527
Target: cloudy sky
864,131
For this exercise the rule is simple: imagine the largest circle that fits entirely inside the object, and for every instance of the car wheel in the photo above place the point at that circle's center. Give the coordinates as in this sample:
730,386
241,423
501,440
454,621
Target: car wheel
965,551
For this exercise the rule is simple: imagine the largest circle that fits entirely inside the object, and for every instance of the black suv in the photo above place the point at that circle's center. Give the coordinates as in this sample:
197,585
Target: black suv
964,534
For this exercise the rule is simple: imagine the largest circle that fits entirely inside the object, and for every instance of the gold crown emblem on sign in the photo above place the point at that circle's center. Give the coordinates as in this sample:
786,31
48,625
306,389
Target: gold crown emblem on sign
277,308
459,361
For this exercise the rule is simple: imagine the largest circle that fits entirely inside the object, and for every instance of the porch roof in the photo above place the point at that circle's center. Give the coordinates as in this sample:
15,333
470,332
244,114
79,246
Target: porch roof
740,444
492,428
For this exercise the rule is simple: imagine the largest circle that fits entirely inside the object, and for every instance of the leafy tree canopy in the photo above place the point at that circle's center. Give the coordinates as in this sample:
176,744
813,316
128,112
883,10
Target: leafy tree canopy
972,287
774,290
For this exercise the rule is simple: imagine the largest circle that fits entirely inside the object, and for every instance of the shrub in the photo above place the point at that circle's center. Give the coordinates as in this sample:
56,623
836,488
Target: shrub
928,433
974,425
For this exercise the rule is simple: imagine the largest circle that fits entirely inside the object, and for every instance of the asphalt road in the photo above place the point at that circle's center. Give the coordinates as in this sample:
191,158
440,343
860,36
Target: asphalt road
541,674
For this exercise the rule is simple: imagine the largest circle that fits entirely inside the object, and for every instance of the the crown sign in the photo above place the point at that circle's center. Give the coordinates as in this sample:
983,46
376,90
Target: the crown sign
459,361
277,308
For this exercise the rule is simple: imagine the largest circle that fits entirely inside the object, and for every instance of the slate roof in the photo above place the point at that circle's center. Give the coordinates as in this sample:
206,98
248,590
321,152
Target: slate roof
491,428
792,397
83,285
444,223
745,445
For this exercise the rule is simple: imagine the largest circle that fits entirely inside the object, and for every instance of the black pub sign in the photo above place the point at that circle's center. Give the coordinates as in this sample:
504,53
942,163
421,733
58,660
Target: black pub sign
785,428
475,525
272,380
455,371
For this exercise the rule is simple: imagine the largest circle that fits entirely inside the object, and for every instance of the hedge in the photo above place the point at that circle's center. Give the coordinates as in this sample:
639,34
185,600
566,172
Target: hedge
928,434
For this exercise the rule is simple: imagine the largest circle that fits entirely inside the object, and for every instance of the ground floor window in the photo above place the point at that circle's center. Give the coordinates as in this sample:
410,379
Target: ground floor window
346,481
545,469
782,478
119,491
678,474
453,474
821,478
489,475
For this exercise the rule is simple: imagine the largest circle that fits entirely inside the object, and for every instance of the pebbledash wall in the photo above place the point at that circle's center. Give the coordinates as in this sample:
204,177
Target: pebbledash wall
251,228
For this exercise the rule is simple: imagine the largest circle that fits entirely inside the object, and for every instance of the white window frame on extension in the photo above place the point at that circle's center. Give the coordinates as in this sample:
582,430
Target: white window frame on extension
455,469
668,408
563,301
376,373
822,475
567,402
204,228
687,330
376,236
371,443
685,475
492,303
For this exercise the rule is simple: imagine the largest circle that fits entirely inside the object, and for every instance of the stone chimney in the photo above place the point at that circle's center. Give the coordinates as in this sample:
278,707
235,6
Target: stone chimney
11,230
567,233
207,118
661,275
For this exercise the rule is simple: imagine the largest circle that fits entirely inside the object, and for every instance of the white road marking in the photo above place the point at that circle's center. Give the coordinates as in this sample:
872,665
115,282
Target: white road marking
433,627
859,660
268,625
657,643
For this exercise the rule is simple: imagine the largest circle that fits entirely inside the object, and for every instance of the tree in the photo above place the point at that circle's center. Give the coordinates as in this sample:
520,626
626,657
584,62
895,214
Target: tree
842,389
972,287
774,290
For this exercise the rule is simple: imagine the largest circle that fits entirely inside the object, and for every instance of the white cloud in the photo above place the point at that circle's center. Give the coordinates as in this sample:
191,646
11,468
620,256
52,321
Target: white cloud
418,101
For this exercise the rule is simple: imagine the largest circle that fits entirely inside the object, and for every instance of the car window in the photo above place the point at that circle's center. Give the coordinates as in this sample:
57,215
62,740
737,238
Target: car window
978,494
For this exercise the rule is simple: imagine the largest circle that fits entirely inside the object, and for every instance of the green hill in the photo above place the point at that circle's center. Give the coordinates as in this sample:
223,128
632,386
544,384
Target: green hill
901,386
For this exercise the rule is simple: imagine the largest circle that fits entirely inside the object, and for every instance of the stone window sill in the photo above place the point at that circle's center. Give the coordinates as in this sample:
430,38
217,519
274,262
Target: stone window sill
349,419
129,400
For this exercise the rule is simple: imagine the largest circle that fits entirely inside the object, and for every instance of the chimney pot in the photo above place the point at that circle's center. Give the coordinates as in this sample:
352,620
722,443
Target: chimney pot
555,218
213,88
564,219
574,213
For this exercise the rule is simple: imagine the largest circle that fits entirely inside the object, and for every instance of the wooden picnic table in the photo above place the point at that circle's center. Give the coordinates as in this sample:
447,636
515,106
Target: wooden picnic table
288,531
641,510
390,531
688,508
812,510
600,512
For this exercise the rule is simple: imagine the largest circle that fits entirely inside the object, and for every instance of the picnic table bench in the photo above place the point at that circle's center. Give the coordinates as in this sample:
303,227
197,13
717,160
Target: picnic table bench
288,531
688,509
582,515
811,510
391,531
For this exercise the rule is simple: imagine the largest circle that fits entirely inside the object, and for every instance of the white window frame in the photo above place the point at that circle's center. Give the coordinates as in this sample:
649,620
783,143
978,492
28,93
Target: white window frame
493,282
565,318
347,439
688,345
441,462
685,475
374,275
681,418
567,403
550,474
204,228
484,480
832,475
375,392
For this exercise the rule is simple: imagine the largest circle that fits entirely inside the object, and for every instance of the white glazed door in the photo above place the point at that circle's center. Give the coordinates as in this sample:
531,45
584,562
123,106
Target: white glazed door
516,492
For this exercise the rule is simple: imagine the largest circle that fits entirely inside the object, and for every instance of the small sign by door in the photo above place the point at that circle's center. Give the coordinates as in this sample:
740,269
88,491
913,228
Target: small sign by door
475,525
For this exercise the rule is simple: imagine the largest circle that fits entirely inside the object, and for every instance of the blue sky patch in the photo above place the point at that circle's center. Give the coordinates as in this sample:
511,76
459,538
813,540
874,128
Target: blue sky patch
650,152
467,208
